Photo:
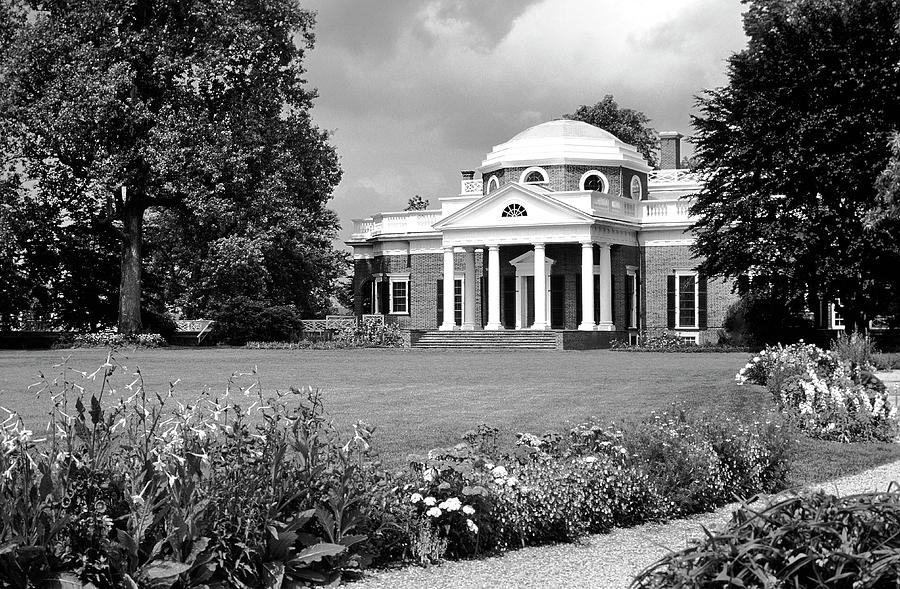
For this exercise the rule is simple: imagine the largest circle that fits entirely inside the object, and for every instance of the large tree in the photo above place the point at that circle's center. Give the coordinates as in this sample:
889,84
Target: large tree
631,126
791,150
193,112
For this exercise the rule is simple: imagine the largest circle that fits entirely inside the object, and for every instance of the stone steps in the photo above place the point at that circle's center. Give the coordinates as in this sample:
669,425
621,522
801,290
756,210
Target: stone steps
540,340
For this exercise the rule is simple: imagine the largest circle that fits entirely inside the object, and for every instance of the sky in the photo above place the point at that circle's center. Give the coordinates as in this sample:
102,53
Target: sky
413,91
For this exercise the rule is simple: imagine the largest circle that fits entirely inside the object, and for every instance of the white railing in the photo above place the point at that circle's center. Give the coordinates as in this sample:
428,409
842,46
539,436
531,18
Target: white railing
607,205
473,186
402,222
339,321
665,211
675,176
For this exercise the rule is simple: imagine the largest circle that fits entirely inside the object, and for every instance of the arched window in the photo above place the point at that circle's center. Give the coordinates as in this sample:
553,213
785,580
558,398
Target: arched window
637,191
493,184
594,180
533,176
514,210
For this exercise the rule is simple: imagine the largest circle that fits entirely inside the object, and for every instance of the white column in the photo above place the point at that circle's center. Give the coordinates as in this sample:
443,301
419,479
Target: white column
493,288
587,287
606,322
449,324
540,288
470,322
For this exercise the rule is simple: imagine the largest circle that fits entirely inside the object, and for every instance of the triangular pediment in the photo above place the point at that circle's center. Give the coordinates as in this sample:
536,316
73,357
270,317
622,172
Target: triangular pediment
539,209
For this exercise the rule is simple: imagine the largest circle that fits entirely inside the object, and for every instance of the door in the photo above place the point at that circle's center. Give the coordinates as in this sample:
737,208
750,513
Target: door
529,301
557,301
509,302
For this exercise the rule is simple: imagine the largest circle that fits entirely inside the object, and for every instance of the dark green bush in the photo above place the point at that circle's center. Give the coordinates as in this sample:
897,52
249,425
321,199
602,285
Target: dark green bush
758,319
817,540
242,319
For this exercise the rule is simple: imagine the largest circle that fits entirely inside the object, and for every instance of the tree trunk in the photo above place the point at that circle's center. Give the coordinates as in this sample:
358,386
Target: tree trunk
130,285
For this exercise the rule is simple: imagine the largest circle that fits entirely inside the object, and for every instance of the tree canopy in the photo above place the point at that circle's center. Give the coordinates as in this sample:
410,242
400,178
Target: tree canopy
631,126
791,149
172,139
416,203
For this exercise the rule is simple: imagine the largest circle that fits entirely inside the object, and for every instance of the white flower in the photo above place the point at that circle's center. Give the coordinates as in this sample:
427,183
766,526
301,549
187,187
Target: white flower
468,509
434,512
589,459
428,475
430,501
499,472
488,466
472,527
500,482
451,504
512,481
415,498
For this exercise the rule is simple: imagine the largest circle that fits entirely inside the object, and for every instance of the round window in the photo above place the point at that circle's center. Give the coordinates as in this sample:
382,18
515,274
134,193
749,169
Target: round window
636,189
593,182
514,210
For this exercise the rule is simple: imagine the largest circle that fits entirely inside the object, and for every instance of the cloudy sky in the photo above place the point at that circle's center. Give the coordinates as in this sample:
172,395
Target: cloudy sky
416,90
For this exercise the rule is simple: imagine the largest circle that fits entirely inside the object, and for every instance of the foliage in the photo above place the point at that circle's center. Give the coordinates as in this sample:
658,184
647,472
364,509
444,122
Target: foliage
790,151
758,318
670,341
631,126
110,339
856,349
370,334
148,491
817,540
185,123
416,203
550,488
823,394
242,319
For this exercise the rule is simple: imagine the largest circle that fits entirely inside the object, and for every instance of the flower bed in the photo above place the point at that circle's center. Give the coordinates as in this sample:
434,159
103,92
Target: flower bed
248,489
670,341
816,540
365,335
110,339
824,395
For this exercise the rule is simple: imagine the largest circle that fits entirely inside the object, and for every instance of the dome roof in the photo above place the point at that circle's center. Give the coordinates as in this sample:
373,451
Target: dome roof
564,141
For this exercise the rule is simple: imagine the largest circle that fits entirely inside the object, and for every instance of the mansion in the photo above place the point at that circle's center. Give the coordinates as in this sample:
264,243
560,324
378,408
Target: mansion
564,227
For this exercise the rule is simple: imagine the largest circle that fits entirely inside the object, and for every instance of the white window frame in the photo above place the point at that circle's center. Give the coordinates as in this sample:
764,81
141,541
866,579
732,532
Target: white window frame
376,302
493,184
631,274
603,180
678,275
640,186
539,169
461,277
837,321
398,279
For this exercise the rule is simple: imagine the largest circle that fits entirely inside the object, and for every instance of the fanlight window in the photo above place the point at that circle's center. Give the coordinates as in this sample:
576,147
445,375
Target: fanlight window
593,182
514,210
534,177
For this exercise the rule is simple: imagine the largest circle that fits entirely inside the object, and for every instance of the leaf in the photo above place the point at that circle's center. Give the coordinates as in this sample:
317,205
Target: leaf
65,581
163,574
317,553
274,575
351,540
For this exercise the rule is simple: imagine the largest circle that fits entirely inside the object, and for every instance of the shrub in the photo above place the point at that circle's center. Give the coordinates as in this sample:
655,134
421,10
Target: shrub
757,319
669,341
151,492
856,349
817,540
823,395
242,319
369,334
110,339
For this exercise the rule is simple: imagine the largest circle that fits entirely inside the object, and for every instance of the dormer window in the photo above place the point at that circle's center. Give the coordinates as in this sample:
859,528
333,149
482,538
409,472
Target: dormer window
493,184
514,210
637,190
594,180
533,176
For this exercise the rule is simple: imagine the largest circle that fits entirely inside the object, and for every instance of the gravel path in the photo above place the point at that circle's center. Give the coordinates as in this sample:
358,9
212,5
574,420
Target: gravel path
607,561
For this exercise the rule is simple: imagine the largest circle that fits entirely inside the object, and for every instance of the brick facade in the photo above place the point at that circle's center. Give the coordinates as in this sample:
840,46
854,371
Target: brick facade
568,178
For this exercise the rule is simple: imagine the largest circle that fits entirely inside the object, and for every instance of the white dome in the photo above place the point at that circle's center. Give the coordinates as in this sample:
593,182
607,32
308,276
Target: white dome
564,142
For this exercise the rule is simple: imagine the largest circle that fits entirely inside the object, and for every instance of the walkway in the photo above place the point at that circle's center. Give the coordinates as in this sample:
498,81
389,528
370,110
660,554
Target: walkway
607,561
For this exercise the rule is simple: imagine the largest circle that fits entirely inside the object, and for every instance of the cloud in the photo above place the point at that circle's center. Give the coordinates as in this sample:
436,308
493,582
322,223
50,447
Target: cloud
416,91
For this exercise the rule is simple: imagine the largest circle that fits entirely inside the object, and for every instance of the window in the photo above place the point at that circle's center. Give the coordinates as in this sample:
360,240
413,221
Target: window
636,189
837,320
493,184
458,294
594,180
686,300
631,297
399,292
514,210
686,304
533,176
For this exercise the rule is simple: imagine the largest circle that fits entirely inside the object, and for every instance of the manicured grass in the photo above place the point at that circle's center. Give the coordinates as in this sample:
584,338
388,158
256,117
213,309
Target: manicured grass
420,399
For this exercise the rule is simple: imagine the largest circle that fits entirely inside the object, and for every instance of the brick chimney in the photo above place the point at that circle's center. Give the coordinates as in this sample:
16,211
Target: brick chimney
670,150
468,174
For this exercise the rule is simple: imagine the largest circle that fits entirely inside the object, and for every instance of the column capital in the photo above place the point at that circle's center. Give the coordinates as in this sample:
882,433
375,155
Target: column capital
539,244
605,244
447,248
493,247
587,244
469,249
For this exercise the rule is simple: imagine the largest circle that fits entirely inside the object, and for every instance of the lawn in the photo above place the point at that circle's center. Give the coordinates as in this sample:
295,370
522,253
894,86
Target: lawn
420,399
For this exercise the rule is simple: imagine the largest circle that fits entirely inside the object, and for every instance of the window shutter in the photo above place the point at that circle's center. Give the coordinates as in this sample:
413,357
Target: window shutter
670,300
612,298
701,301
440,301
382,295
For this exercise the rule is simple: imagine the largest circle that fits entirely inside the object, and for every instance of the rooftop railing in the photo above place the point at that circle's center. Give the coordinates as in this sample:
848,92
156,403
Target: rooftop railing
403,222
674,176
